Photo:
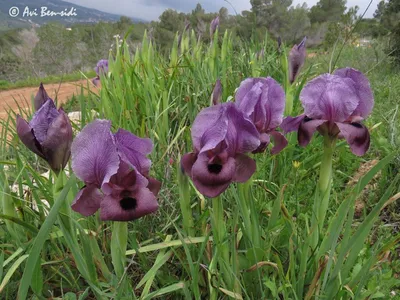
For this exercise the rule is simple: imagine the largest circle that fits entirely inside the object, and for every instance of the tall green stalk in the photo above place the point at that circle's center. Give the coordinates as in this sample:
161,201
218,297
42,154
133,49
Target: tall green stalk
321,201
221,248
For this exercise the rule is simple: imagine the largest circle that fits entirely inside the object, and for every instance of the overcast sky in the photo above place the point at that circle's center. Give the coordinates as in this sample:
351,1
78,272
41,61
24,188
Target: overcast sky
151,9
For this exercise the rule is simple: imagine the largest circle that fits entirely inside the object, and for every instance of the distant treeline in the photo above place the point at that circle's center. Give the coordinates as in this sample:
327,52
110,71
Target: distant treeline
54,49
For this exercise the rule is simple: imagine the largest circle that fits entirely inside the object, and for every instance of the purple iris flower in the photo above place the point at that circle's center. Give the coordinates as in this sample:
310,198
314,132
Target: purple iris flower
221,136
214,25
297,57
101,69
115,169
263,101
335,105
217,92
48,134
40,98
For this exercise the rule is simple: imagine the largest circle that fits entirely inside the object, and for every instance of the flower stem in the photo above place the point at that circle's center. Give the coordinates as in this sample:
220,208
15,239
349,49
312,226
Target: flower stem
321,201
221,252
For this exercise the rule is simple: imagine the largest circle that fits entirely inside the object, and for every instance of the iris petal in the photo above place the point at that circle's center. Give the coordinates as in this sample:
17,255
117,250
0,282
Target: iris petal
94,154
57,146
87,201
363,89
307,129
27,137
245,168
329,97
143,202
357,136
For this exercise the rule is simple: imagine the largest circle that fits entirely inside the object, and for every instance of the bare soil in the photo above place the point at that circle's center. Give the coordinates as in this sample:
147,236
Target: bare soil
11,99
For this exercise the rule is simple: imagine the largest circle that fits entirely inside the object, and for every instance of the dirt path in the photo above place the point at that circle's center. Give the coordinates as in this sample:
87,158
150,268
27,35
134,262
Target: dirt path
23,95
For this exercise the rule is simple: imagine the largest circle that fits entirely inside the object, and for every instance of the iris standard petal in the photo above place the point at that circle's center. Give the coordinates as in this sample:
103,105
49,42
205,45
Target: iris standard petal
26,135
135,149
273,99
206,119
87,201
363,89
243,131
57,146
329,97
211,179
245,168
94,153
280,142
210,127
40,98
42,119
357,136
129,206
248,94
306,130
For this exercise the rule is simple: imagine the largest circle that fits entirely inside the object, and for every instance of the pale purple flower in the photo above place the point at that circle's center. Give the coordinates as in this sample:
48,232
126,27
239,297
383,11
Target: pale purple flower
335,105
221,136
101,69
260,54
217,93
214,25
48,134
297,57
115,169
263,101
40,98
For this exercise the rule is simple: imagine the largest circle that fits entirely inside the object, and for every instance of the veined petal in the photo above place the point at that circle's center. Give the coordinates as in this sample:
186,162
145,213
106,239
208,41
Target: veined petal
94,153
42,119
87,201
135,149
242,135
307,129
248,94
212,122
131,207
329,97
363,88
273,99
27,137
357,136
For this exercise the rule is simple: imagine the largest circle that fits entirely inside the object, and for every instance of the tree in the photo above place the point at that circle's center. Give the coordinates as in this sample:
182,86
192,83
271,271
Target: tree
327,11
297,24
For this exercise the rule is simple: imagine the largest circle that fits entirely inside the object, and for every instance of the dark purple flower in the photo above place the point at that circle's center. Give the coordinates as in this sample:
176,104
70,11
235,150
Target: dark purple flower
297,57
335,105
48,134
263,101
115,170
217,92
40,98
221,136
214,25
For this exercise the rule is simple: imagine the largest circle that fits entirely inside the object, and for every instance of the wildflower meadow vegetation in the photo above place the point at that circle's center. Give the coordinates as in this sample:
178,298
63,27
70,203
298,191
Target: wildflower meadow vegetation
224,170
